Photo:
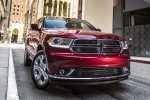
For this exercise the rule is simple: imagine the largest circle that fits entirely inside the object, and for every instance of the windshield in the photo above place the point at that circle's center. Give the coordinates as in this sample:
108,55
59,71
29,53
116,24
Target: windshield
68,23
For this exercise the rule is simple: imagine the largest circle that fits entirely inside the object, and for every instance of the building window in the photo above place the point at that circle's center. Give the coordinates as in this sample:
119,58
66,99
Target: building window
14,5
18,6
13,13
14,9
17,14
17,9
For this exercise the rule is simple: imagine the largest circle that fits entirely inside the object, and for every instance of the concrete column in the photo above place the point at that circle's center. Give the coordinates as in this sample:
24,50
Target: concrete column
40,6
52,7
2,20
71,8
47,10
99,13
57,8
62,10
6,34
2,23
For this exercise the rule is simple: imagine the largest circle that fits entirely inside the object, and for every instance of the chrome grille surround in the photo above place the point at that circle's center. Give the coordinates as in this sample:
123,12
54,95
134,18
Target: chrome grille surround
96,46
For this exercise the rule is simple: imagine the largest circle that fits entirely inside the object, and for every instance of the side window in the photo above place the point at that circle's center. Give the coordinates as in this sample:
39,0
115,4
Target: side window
85,27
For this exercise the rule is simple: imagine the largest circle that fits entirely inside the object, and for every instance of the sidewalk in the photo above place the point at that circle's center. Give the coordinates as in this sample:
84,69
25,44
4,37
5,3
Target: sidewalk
8,88
145,60
4,63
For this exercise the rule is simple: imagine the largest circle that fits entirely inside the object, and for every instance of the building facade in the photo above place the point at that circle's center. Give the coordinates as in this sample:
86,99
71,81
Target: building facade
17,20
136,26
3,17
27,17
41,8
2,10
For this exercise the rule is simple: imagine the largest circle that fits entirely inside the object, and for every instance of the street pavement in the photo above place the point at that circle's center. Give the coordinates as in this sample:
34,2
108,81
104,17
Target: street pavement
137,87
8,90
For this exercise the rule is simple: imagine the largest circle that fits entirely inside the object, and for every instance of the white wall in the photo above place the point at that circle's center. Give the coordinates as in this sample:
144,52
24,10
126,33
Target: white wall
20,27
99,13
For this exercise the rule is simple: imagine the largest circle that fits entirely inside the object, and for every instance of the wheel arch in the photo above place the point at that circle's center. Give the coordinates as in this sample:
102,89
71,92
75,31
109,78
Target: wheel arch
39,47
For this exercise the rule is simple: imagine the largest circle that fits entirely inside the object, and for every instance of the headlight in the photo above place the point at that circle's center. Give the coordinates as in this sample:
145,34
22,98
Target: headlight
60,42
124,45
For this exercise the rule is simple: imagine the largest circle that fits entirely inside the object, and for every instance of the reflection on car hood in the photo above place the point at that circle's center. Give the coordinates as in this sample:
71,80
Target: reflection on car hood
77,33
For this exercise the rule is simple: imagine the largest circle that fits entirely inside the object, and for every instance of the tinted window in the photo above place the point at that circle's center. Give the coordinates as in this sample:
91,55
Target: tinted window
68,23
55,24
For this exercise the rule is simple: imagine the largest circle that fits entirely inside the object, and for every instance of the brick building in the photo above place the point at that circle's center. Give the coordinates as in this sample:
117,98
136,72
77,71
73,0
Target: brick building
17,20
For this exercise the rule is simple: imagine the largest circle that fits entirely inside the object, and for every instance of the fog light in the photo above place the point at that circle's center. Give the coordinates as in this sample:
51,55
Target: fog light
65,72
62,72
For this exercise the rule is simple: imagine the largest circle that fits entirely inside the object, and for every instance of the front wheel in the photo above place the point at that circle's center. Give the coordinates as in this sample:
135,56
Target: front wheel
39,71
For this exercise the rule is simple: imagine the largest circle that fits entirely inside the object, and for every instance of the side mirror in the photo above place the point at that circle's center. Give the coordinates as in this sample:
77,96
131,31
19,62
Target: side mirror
98,29
34,27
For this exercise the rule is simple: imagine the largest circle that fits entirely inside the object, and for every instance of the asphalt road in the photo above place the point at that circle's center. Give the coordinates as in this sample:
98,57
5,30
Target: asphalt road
137,87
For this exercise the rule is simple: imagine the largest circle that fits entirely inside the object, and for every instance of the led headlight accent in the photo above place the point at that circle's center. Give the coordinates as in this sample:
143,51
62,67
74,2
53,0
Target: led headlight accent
60,42
124,44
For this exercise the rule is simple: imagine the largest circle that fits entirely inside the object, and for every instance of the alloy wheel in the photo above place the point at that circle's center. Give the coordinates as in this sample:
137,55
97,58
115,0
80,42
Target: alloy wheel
39,70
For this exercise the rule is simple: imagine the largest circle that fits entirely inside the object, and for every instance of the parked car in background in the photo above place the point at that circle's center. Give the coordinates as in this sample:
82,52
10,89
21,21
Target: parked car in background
71,51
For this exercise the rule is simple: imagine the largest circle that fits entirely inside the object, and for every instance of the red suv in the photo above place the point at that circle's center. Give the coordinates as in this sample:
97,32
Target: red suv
70,51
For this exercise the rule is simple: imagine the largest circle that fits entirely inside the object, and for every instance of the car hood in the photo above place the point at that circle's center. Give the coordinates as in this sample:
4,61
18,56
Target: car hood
69,33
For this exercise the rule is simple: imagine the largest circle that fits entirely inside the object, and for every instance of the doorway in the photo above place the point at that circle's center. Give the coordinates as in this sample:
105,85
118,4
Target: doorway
14,37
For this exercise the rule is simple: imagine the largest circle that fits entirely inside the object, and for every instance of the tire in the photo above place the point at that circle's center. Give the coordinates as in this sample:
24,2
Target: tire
39,71
27,60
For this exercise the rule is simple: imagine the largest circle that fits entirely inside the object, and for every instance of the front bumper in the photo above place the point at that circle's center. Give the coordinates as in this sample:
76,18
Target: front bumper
87,81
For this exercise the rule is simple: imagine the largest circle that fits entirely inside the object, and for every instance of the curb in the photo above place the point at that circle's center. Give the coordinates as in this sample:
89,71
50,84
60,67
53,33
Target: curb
12,92
140,61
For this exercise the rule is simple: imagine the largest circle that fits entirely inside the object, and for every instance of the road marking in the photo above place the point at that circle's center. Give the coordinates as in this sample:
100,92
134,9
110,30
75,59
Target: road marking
12,92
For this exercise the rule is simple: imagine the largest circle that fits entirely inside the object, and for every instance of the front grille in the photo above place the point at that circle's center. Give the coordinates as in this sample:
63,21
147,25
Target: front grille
98,72
85,49
96,46
87,42
111,46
